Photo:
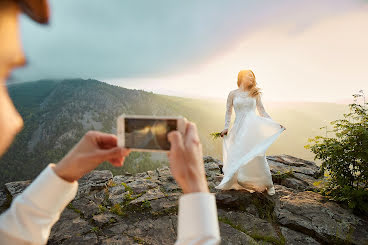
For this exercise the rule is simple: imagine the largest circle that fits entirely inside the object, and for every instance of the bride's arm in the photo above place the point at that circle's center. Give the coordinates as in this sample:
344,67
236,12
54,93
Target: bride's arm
229,110
260,108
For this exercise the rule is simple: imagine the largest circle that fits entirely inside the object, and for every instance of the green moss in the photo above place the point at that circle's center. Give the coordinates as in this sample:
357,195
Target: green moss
166,211
138,240
128,197
283,175
149,177
265,209
71,207
146,204
117,209
253,234
95,229
112,183
349,234
102,208
112,220
128,188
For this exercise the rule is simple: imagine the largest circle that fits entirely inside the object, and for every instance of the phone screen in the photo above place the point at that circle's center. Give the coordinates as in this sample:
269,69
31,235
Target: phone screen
148,133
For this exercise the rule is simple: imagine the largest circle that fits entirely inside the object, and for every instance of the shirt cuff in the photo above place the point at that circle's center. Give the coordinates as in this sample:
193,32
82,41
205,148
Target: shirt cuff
50,192
197,216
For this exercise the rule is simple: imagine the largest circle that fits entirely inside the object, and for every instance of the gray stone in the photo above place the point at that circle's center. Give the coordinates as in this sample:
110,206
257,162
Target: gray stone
117,240
17,187
148,196
4,199
300,216
104,219
141,185
297,165
85,206
232,236
158,231
120,179
209,159
72,229
310,213
250,223
97,179
296,238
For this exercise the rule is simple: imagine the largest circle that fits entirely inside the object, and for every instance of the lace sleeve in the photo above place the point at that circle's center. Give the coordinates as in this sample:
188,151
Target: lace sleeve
260,108
229,110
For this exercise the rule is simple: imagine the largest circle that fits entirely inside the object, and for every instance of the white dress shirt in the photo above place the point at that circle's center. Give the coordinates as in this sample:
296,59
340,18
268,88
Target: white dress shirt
32,213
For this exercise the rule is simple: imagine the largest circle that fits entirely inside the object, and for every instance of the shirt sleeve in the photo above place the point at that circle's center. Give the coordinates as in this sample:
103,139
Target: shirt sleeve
197,221
33,213
229,110
261,109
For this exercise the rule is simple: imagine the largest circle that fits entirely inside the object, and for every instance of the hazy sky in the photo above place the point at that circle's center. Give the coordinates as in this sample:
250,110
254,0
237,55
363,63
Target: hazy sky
299,50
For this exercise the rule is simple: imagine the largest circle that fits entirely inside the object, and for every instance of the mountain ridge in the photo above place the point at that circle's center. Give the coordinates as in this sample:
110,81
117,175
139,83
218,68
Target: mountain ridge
57,113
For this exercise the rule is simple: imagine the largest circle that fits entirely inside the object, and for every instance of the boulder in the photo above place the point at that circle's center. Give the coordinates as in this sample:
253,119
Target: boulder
232,236
15,188
142,209
312,214
4,199
296,238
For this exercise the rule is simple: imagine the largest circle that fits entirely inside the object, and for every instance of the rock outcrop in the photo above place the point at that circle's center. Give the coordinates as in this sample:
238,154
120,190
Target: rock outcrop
142,209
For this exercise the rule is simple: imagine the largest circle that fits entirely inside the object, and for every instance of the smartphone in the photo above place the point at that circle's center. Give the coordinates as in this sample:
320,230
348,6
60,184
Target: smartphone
147,133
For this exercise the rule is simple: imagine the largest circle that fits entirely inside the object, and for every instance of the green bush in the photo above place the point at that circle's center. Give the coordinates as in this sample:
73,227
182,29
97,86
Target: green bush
345,159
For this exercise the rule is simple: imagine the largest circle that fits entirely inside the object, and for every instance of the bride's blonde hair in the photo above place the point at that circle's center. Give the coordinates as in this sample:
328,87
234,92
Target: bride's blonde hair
253,89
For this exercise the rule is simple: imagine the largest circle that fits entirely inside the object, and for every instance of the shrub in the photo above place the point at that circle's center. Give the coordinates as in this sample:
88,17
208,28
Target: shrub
345,159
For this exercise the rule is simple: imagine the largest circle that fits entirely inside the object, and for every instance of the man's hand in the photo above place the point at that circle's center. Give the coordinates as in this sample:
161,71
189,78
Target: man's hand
186,160
93,149
224,132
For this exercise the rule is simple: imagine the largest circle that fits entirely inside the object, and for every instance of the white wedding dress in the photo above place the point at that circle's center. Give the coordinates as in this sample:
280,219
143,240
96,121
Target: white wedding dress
244,161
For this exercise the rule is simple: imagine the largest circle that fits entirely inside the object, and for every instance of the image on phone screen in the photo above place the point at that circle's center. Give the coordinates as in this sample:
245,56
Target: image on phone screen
147,133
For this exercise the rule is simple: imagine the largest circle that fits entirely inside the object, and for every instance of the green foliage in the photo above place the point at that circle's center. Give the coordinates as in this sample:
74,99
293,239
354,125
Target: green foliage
127,187
345,159
215,135
95,229
146,204
101,208
117,209
279,176
71,207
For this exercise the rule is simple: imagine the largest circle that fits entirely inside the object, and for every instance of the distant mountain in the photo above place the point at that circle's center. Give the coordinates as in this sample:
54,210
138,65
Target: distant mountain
58,113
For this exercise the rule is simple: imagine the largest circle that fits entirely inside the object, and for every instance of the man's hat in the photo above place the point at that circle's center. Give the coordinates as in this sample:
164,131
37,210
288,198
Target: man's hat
38,10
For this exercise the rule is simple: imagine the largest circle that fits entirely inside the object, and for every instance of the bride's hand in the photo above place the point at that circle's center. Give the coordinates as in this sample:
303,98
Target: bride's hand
224,132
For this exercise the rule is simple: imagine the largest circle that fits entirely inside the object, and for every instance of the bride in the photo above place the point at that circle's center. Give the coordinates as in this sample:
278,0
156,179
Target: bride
244,145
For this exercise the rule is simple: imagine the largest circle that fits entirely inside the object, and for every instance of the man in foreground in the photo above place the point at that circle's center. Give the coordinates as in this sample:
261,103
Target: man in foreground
35,211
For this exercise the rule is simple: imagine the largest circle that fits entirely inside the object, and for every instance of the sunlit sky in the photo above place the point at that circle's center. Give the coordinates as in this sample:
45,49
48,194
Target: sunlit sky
299,50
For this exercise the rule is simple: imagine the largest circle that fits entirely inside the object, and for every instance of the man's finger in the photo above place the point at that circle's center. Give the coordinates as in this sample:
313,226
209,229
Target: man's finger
106,141
117,162
175,139
191,134
116,152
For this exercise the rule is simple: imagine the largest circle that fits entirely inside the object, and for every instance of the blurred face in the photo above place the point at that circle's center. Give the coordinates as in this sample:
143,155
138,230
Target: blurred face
11,56
245,83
